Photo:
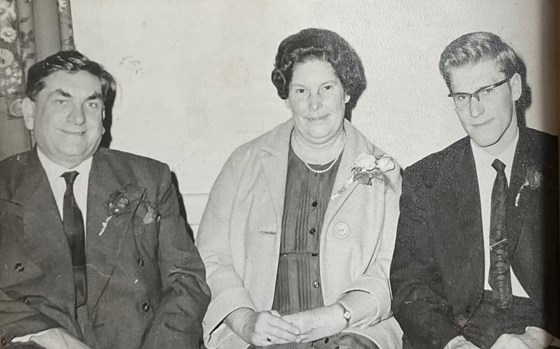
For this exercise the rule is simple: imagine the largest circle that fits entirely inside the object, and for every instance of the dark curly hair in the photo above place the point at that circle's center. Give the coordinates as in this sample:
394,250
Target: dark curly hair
325,45
70,61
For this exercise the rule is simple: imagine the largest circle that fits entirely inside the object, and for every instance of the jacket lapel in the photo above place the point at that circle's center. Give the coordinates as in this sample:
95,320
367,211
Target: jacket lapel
467,195
515,217
525,220
275,152
103,243
275,167
352,148
461,213
43,232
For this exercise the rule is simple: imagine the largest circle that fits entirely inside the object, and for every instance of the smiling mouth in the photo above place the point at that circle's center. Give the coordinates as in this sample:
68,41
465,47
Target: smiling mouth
73,133
482,124
317,118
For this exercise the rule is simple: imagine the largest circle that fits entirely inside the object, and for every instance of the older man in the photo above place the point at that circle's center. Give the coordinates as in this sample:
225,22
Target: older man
93,250
476,260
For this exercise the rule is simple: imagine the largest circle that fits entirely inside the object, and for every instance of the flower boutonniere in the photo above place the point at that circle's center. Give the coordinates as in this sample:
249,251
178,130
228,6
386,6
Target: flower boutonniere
129,199
533,180
368,168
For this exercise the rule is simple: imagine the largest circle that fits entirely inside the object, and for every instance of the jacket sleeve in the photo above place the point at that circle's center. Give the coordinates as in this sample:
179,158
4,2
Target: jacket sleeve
374,304
18,319
213,240
17,316
178,318
419,305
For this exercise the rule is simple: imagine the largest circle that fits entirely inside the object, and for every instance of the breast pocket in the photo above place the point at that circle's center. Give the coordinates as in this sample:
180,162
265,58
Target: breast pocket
146,236
145,229
258,227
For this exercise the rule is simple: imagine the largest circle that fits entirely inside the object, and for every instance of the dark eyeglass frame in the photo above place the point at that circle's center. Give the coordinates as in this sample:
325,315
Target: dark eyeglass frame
476,93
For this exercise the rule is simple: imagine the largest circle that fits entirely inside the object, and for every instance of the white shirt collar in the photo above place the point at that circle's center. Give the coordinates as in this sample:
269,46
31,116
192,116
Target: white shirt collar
54,170
486,176
58,184
482,158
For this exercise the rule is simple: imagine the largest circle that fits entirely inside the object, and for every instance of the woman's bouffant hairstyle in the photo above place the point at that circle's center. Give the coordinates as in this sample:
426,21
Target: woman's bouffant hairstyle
321,44
474,48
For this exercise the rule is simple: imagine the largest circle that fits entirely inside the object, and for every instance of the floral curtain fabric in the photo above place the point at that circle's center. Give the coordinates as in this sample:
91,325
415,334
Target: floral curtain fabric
22,23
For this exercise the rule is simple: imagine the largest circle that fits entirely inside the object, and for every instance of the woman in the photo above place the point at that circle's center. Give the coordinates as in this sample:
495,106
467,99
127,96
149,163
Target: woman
299,229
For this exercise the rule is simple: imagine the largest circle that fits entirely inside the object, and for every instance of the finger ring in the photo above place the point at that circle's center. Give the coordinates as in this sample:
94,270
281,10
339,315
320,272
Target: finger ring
268,339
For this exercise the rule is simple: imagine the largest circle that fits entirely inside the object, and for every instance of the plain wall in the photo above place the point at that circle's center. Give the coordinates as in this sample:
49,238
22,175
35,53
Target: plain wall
194,76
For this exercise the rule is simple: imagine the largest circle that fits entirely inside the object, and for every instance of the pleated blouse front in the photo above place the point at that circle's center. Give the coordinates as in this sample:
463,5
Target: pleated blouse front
298,284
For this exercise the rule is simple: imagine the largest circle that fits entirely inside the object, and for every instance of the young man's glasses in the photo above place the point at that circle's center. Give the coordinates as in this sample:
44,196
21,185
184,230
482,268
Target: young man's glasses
463,99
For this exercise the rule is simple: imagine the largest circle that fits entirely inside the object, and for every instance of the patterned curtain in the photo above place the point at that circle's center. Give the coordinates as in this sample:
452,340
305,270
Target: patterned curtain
30,30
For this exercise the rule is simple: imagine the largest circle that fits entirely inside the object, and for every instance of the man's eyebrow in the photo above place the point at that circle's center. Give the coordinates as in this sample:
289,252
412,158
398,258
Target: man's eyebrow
480,89
61,92
95,95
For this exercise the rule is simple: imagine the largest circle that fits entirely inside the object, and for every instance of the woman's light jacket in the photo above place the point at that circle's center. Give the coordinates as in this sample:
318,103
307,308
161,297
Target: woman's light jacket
239,236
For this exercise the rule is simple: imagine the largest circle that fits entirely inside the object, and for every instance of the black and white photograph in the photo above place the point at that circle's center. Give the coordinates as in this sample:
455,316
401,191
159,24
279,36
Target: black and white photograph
283,174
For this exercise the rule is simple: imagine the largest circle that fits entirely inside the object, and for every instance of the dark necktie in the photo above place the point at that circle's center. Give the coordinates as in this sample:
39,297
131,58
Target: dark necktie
74,229
500,276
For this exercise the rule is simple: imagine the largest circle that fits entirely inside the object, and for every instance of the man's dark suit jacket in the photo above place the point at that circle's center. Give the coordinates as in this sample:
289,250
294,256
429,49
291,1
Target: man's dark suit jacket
437,273
146,281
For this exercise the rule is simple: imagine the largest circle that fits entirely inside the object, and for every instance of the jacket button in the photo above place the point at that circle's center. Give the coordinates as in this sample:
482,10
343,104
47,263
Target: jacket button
314,204
19,267
146,307
316,284
140,262
26,300
312,231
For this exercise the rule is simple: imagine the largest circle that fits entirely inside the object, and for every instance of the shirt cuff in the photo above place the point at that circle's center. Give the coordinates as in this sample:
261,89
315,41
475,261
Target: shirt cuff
29,337
362,306
455,341
544,338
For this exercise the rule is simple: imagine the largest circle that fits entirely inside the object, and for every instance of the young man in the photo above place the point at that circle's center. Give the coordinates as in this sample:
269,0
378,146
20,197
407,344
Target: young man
93,251
476,259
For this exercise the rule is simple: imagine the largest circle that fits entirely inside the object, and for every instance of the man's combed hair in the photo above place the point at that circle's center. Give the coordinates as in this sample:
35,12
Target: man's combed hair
325,45
476,47
71,62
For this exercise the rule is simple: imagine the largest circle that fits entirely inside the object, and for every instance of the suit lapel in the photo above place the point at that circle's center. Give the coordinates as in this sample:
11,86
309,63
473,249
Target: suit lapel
107,176
465,246
275,167
515,217
467,195
527,258
43,230
352,149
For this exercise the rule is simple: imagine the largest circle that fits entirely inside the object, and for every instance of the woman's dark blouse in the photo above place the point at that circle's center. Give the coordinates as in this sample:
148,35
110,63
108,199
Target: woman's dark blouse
298,284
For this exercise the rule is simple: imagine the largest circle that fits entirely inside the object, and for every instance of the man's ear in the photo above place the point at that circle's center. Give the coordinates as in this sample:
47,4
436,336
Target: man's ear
28,110
516,86
346,98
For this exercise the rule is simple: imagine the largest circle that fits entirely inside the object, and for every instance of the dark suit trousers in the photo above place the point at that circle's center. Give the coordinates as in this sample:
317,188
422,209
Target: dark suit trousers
487,324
